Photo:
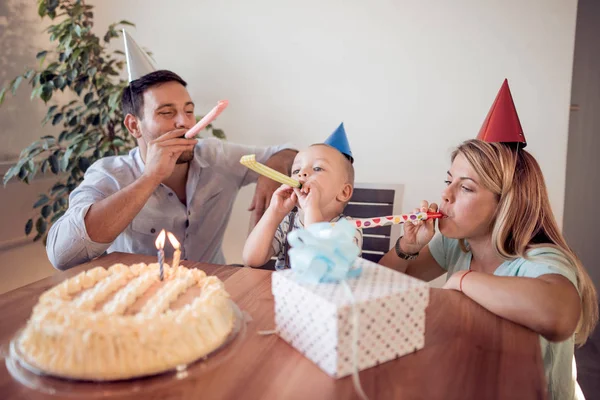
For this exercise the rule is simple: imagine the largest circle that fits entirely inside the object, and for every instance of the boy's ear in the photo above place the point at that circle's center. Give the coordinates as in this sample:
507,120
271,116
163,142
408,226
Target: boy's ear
345,194
133,126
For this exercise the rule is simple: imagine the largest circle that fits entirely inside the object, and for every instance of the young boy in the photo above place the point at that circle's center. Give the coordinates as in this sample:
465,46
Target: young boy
327,176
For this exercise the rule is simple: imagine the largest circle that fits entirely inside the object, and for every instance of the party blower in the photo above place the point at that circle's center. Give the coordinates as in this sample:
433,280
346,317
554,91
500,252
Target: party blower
250,162
208,118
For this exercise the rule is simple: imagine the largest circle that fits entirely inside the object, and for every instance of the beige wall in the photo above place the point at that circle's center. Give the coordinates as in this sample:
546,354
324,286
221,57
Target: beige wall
21,37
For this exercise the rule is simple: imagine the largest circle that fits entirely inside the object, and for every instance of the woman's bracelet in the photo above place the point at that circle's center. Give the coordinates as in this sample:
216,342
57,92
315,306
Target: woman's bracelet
463,277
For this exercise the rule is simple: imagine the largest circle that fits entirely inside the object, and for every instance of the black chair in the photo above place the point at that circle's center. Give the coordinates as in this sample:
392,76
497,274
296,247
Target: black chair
372,200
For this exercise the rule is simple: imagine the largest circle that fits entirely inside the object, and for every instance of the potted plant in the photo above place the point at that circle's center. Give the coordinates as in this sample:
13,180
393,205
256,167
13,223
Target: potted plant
82,65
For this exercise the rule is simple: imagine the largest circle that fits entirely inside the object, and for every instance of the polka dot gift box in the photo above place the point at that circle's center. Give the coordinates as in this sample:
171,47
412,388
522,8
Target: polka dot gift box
316,318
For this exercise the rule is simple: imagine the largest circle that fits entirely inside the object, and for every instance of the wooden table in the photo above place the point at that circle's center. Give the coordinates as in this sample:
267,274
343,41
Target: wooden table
469,353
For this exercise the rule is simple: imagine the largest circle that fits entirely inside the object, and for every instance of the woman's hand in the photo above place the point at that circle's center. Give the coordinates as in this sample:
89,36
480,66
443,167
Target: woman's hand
418,234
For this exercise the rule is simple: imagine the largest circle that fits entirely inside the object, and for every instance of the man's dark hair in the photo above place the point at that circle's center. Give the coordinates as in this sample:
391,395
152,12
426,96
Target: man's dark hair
132,100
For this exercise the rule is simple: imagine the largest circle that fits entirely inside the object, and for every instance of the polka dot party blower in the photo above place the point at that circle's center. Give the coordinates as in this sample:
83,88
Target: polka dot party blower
395,219
250,162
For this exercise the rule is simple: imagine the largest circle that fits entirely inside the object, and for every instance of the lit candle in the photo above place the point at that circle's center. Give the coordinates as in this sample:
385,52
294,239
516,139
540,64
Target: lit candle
177,253
160,245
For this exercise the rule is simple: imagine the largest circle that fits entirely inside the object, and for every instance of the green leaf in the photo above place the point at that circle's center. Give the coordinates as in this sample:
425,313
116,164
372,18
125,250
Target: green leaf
36,79
36,92
48,141
41,201
125,22
42,8
44,166
77,30
2,95
28,226
218,133
114,99
40,226
41,55
92,71
76,54
83,164
62,135
16,84
79,87
88,98
55,207
11,173
46,210
82,147
30,165
118,143
56,120
52,109
52,67
57,186
47,91
52,4
72,74
59,82
64,161
54,167
23,173
56,216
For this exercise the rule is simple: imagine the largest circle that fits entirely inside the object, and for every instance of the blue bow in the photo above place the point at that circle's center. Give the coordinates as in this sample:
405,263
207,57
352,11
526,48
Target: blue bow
323,252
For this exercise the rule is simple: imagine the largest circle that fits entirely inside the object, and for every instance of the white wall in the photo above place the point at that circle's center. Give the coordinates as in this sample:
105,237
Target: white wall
409,79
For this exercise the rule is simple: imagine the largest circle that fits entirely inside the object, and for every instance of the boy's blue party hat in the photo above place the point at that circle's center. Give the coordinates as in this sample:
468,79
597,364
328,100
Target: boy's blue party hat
339,140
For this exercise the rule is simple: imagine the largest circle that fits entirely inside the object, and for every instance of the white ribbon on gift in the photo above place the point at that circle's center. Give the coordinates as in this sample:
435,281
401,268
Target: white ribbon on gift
323,253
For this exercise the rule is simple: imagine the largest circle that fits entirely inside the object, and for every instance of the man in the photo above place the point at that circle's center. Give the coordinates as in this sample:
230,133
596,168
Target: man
184,186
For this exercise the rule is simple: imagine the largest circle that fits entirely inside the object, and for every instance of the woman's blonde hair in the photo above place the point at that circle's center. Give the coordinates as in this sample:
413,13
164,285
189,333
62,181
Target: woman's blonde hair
524,218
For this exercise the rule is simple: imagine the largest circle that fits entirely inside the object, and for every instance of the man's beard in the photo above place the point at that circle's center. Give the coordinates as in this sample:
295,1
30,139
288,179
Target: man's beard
185,157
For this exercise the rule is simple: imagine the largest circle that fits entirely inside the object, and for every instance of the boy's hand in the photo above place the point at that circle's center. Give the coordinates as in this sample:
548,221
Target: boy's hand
309,196
284,200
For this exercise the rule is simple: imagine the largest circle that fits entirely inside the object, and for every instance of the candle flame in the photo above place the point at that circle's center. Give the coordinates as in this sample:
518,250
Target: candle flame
173,240
160,240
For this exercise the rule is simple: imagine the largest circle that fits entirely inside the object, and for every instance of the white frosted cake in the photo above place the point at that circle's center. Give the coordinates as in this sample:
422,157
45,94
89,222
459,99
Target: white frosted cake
123,322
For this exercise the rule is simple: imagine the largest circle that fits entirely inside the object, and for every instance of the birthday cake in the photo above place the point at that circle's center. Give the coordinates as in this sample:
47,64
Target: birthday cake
124,322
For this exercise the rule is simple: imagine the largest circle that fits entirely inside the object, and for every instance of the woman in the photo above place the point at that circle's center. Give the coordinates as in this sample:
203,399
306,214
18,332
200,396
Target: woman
501,246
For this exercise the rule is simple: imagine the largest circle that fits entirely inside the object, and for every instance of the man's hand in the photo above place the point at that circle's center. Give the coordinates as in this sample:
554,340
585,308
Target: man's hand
163,152
265,187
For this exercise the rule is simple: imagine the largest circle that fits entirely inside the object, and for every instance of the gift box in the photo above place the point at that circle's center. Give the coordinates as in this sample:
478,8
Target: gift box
316,318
